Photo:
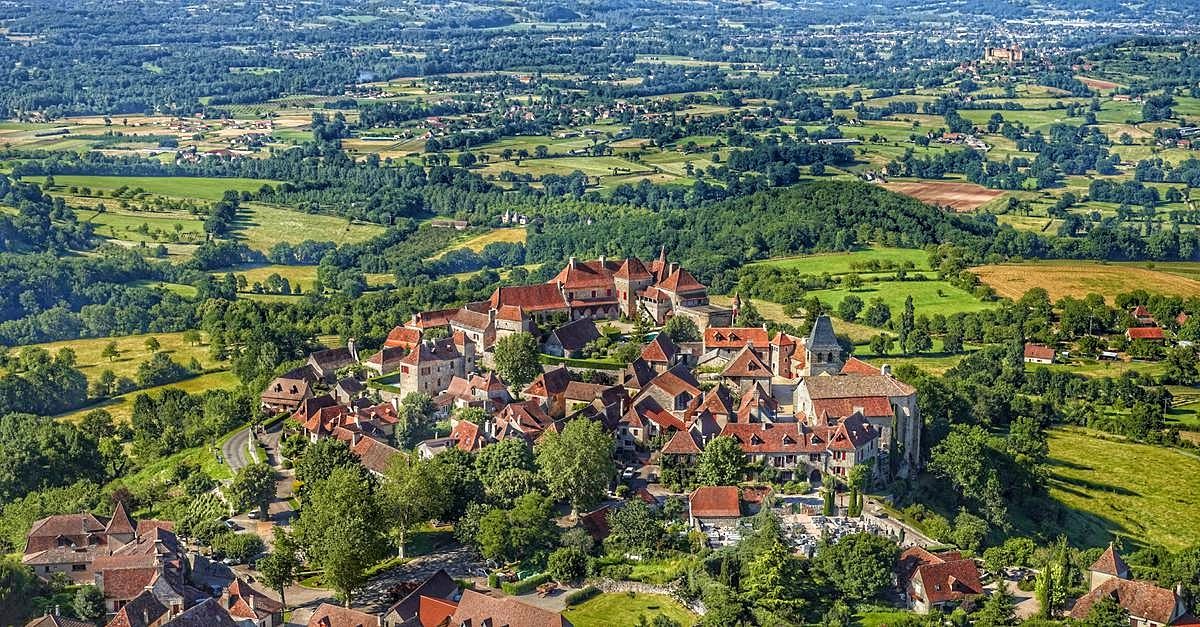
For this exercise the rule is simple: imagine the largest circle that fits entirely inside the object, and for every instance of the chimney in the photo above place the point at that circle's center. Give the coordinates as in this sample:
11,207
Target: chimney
885,370
353,349
571,262
146,616
603,261
56,610
250,600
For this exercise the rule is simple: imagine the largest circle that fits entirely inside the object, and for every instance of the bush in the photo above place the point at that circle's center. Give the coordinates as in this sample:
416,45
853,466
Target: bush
524,586
567,564
493,580
617,572
581,595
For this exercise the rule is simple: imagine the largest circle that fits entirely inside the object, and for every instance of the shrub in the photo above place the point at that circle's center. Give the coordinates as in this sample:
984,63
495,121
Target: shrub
525,585
567,564
493,580
581,595
617,571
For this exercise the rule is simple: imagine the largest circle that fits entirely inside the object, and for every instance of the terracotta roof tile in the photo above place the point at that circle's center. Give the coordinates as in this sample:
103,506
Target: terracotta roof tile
477,608
660,350
746,364
736,337
1141,598
327,615
531,298
715,502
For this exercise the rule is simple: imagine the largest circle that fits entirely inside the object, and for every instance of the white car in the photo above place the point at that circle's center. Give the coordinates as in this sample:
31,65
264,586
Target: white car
628,473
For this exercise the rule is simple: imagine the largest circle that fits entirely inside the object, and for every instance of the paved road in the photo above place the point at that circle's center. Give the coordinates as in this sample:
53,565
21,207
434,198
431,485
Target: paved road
236,450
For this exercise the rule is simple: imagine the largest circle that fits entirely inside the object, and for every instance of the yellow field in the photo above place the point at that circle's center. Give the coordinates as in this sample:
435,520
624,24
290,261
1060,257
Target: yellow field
121,407
858,333
515,235
133,352
1079,278
263,226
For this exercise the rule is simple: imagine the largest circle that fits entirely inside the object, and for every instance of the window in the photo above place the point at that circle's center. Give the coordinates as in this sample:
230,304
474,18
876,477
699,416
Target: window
78,567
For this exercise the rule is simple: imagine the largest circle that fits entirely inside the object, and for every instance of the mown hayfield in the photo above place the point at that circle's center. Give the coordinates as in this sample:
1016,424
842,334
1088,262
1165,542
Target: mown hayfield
121,407
844,263
304,276
1149,494
623,610
200,188
1079,278
515,235
929,297
132,352
262,226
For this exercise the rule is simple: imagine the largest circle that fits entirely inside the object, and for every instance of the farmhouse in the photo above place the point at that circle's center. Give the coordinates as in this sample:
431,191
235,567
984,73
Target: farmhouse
287,391
1148,605
1038,354
935,580
1149,334
714,506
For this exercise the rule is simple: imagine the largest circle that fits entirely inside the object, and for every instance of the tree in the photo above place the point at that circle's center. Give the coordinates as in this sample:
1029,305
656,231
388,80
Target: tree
319,461
633,527
850,307
278,569
882,344
748,315
457,481
857,479
18,587
253,486
828,492
577,463
772,579
88,603
999,609
192,337
682,329
340,529
506,454
859,565
1181,366
410,495
110,352
721,463
567,565
907,323
516,359
152,344
1106,612
518,533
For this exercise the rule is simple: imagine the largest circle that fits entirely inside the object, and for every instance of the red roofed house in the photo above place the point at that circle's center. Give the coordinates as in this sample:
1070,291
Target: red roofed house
1148,605
55,620
714,506
429,368
428,604
1142,315
403,337
251,607
729,341
747,370
287,391
480,610
327,615
1038,354
1150,334
936,580
550,389
71,543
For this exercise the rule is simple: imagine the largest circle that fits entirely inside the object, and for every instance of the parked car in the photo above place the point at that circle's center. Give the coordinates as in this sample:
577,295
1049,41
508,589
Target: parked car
628,473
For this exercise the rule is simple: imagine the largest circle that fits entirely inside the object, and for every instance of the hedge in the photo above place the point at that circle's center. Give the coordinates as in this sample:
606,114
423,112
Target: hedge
581,595
524,586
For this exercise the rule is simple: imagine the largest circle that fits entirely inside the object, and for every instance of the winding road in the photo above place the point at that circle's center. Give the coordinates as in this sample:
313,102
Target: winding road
236,451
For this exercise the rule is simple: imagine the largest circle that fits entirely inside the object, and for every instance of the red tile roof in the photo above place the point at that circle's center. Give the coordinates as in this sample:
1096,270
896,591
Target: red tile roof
120,523
855,365
586,275
872,406
1038,351
682,443
137,610
1145,333
632,269
943,576
51,620
374,455
432,319
403,337
660,350
328,615
475,608
746,364
1142,599
467,436
1110,563
434,612
715,502
736,337
531,298
550,383
680,281
676,381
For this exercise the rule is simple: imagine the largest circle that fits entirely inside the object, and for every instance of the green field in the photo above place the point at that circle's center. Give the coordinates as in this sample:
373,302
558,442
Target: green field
929,297
121,407
842,263
262,226
623,610
199,188
133,352
304,276
1149,494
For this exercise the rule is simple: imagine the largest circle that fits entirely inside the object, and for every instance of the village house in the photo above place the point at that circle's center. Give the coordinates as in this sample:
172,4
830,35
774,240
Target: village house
1038,354
937,580
430,367
1148,605
55,620
714,506
1148,334
328,615
249,607
287,390
428,603
570,339
478,610
326,363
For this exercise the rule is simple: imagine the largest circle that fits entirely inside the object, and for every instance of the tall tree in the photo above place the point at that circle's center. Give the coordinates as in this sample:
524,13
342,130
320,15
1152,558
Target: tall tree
411,495
516,359
577,463
253,486
279,568
721,463
341,529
